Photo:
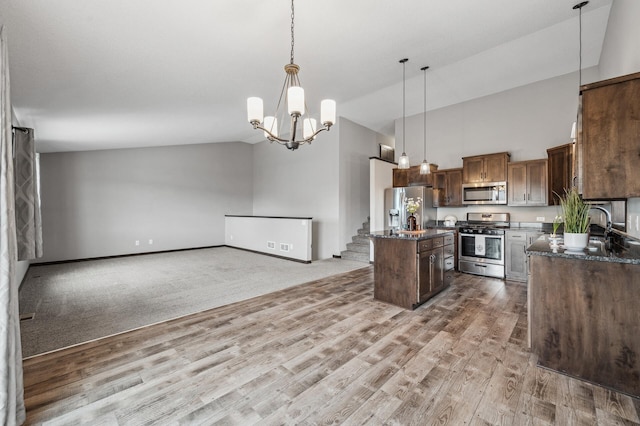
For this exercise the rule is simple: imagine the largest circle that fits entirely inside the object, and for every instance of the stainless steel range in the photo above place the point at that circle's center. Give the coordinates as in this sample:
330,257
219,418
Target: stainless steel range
481,244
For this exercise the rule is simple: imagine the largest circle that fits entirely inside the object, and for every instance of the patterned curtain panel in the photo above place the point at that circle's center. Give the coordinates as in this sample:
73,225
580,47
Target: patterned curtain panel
12,409
28,219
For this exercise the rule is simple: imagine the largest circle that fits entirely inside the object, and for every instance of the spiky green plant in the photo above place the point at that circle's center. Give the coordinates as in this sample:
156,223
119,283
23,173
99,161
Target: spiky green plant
575,212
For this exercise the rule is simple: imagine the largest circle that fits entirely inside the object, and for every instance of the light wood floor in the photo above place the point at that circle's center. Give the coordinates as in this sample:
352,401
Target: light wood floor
323,353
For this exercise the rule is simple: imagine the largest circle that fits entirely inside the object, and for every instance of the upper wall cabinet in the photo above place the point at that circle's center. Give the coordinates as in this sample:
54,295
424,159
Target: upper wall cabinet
528,183
560,171
611,138
447,188
485,168
412,177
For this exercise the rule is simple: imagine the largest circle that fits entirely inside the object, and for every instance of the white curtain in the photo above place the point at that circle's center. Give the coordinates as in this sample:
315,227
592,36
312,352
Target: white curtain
27,196
12,411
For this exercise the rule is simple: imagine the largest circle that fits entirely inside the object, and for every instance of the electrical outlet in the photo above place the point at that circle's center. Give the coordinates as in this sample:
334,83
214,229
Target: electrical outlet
150,241
540,218
137,242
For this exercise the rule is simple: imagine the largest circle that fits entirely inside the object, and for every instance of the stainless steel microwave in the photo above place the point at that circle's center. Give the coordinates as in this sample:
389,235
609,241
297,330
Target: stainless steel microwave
484,193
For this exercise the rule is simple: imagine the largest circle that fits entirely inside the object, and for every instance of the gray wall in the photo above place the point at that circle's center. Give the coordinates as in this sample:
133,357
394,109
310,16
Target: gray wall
621,47
621,56
301,183
524,121
97,203
357,144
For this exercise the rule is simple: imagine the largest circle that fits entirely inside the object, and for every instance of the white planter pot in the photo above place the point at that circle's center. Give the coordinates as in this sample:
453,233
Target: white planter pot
576,242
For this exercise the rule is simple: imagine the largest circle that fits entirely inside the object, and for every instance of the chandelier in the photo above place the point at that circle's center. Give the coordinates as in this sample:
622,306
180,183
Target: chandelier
293,95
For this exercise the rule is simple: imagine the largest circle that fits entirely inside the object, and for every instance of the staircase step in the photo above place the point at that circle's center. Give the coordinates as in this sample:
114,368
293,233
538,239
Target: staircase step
363,231
360,239
360,248
352,255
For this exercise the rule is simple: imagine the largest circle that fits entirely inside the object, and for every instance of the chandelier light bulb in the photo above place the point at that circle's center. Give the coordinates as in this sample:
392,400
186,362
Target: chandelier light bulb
271,125
328,112
255,110
295,100
310,125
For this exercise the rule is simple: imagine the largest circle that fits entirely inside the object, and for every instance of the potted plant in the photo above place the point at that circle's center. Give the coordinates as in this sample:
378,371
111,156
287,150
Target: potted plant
575,214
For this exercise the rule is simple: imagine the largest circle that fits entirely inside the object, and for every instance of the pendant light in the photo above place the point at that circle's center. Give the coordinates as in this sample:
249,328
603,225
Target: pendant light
403,161
579,6
425,167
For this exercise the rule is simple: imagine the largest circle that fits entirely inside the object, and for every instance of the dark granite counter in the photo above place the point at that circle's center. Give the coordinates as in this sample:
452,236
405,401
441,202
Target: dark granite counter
415,236
626,252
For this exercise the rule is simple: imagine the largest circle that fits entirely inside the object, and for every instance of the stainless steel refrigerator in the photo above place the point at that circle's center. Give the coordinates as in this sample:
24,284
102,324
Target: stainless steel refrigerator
396,211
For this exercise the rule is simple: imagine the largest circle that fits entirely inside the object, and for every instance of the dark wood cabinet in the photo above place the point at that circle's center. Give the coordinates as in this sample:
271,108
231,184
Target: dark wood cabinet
611,138
527,183
412,177
584,319
408,272
560,171
447,188
485,168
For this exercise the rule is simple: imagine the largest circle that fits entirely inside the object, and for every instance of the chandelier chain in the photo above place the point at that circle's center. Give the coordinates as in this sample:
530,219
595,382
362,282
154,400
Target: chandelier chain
292,39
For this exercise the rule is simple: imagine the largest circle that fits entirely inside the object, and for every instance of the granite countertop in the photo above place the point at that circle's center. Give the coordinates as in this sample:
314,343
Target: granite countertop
422,235
629,252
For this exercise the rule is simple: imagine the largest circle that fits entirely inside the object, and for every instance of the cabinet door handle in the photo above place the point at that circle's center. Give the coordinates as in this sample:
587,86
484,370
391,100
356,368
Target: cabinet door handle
524,197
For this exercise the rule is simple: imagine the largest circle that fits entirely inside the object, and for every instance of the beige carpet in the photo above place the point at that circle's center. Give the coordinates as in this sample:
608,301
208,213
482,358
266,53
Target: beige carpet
81,301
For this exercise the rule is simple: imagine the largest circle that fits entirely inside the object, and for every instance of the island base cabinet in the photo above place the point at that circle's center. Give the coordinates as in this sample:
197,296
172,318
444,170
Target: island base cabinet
408,272
394,272
584,320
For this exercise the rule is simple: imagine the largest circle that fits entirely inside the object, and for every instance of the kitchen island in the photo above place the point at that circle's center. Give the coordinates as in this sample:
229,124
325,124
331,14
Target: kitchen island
411,267
583,312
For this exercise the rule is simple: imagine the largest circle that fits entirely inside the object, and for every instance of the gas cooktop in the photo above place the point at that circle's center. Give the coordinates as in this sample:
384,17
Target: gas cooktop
486,223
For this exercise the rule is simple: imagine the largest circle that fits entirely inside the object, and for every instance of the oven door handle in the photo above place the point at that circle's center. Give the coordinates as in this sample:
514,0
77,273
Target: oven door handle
481,266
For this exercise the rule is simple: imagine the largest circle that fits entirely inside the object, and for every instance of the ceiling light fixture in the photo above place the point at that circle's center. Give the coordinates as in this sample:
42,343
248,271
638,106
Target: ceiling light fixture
425,167
579,6
403,161
293,94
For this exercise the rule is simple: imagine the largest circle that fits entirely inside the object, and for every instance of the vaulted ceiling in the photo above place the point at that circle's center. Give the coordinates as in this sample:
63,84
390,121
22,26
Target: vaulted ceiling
93,74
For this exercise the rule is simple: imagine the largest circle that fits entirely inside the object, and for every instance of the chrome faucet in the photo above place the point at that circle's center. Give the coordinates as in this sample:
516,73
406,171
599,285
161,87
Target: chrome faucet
609,225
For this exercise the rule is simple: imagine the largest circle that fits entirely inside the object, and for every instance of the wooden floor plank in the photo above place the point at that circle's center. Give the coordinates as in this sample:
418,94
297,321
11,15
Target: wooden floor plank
323,353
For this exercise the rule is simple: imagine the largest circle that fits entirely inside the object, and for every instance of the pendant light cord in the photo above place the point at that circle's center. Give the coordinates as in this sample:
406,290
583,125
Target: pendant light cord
580,51
404,61
425,112
579,6
579,62
292,39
